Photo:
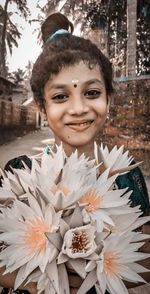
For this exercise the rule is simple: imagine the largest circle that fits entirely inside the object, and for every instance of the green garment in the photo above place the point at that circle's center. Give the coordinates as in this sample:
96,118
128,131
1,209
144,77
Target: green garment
135,181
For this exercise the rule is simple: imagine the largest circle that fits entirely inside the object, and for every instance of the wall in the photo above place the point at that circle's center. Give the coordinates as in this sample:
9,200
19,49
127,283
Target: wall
6,86
15,120
129,122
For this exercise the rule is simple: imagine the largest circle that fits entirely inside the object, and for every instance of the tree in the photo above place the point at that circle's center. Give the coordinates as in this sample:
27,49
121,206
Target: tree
18,76
103,21
143,37
131,37
75,9
109,17
106,20
9,31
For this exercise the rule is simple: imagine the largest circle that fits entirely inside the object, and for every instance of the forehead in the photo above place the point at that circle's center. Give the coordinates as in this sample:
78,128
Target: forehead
80,72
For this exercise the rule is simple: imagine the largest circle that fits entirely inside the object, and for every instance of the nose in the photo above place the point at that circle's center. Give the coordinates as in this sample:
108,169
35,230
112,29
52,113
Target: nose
78,106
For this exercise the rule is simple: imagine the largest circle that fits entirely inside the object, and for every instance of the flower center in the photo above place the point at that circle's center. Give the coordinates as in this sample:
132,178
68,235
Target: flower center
79,242
110,263
92,199
35,237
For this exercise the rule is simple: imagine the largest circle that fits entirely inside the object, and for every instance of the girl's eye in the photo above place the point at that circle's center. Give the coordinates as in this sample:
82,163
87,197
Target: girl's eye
60,98
92,94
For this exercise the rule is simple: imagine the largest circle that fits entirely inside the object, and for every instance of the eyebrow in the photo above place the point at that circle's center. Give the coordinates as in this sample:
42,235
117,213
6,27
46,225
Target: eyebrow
62,86
93,81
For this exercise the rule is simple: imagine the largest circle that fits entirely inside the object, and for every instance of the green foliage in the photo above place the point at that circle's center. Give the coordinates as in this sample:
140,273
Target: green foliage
22,7
18,76
143,37
110,17
12,33
9,31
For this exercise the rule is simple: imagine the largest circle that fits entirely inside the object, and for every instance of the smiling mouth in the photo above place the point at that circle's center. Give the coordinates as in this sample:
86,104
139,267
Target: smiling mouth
80,125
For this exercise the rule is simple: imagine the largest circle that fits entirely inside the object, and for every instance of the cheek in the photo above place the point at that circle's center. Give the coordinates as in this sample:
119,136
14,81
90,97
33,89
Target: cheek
101,108
52,114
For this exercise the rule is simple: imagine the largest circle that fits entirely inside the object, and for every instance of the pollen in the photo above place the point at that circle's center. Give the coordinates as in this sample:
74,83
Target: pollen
79,242
93,201
35,238
111,263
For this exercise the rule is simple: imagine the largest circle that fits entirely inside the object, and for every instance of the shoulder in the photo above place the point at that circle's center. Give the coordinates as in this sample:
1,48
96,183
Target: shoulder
17,162
136,182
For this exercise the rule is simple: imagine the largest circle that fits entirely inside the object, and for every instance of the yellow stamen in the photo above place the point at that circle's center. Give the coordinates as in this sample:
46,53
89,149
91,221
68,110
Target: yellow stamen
92,199
35,238
111,263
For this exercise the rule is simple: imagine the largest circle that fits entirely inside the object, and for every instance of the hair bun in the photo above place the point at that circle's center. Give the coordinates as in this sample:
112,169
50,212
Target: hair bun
54,22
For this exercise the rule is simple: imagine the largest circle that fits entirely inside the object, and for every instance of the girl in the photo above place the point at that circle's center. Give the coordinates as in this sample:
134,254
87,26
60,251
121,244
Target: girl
72,85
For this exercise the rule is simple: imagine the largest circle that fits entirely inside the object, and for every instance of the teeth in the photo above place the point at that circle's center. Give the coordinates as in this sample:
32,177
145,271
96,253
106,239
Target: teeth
83,124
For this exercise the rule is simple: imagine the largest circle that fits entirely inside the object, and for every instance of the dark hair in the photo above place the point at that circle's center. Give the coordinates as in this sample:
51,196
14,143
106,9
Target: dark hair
65,50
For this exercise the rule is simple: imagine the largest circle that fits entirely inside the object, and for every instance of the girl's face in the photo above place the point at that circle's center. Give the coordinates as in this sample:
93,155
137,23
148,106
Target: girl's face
76,105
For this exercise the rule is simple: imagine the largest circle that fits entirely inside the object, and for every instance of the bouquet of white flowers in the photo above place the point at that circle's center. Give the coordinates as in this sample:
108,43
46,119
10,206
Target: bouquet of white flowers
66,213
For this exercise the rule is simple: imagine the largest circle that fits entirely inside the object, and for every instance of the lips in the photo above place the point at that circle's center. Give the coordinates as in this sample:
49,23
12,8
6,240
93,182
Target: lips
80,125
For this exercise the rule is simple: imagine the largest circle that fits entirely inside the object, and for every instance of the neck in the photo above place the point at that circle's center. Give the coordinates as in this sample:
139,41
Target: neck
87,149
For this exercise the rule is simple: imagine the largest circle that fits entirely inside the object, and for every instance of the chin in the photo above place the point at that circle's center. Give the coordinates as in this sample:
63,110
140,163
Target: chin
80,143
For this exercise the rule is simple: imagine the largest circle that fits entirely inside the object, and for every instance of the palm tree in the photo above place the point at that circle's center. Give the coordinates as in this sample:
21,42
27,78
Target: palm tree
72,8
9,31
131,37
18,76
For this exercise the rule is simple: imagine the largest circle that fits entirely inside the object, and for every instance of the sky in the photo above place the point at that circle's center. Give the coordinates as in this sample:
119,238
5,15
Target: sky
28,47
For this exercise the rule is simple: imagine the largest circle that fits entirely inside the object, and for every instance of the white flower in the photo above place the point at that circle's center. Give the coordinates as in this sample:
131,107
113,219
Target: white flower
42,280
127,222
79,242
75,241
115,160
11,188
53,280
58,179
62,214
23,230
75,173
70,184
52,163
100,198
60,173
116,262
